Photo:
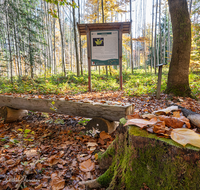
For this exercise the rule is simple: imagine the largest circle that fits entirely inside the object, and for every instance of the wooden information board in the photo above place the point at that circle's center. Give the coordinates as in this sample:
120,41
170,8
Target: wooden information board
104,44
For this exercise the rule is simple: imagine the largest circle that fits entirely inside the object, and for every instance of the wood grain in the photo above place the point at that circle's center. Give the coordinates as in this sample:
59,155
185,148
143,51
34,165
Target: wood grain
90,110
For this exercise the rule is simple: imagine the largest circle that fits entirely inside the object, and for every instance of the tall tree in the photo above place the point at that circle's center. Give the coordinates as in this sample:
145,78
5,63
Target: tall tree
62,40
75,41
178,82
80,46
131,37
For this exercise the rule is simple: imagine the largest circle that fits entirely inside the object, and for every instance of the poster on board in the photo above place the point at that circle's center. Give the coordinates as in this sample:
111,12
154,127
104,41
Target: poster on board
105,47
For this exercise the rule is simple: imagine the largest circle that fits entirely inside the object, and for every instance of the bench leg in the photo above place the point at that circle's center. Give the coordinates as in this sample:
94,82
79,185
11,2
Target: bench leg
12,115
102,125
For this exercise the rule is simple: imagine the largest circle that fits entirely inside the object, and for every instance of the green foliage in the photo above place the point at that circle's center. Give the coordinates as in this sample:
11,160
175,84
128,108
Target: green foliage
136,84
122,121
83,121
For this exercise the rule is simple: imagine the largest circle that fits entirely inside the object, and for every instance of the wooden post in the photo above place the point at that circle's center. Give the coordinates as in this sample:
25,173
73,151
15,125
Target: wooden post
159,82
89,58
120,56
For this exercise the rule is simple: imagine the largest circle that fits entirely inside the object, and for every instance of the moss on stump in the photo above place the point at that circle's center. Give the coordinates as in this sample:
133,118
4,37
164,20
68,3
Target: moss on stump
139,160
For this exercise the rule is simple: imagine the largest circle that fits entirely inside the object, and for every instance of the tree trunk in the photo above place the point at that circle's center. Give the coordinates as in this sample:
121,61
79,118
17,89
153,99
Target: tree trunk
178,82
137,160
8,33
152,52
62,41
131,35
155,37
76,45
80,46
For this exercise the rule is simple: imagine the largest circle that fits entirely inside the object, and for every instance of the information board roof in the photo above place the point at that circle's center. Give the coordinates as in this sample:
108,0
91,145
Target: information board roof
126,27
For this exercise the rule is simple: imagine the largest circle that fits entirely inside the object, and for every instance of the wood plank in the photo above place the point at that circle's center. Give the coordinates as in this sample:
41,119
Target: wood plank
90,110
104,26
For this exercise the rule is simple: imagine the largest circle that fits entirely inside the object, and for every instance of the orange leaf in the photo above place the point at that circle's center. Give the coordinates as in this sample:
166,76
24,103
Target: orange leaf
185,136
87,166
40,96
141,122
159,127
104,135
173,121
135,115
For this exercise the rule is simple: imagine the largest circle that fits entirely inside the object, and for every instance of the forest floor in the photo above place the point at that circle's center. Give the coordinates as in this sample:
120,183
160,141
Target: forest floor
53,151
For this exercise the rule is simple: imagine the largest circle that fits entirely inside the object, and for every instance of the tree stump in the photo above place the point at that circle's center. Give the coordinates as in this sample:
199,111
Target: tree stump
139,160
12,115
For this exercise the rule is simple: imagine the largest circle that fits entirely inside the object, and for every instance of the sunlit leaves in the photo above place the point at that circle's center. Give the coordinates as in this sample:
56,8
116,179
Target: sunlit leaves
185,136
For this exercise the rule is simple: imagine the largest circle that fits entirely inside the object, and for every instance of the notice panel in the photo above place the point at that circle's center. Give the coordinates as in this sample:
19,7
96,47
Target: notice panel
104,47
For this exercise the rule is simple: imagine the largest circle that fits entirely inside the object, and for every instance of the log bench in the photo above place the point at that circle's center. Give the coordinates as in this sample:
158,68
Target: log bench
101,113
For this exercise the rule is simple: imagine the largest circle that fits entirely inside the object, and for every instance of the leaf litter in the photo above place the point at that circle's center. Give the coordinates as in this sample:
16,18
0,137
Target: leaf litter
61,154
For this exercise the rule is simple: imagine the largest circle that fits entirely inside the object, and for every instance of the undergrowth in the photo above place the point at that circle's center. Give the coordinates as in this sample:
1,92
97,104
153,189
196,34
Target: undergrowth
136,84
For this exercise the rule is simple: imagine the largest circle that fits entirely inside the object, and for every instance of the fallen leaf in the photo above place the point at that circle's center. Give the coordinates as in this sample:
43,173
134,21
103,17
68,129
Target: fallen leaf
10,162
159,127
166,110
135,115
175,122
38,187
54,160
91,144
141,122
57,183
148,116
185,136
96,156
87,166
104,135
92,149
31,153
27,188
39,166
176,114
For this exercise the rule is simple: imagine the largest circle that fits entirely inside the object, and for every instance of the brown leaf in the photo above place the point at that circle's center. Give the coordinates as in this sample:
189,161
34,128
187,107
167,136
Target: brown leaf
159,127
38,187
172,121
87,166
176,114
54,160
141,122
57,183
135,115
104,135
39,166
31,152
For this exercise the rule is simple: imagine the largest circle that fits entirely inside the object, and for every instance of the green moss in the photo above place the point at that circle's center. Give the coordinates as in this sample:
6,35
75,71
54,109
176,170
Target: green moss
154,169
136,131
110,151
133,168
106,178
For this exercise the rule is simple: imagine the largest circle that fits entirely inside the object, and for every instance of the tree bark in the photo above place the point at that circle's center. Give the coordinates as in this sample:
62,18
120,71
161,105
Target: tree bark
80,46
75,41
62,41
178,82
155,37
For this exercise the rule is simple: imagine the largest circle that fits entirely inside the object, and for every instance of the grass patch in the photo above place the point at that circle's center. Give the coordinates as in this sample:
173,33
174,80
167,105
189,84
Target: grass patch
136,84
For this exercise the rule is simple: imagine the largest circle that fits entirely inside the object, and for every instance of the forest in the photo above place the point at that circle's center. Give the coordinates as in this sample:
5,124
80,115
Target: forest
71,121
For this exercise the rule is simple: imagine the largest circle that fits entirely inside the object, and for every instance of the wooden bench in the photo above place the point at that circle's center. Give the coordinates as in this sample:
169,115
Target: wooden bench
107,113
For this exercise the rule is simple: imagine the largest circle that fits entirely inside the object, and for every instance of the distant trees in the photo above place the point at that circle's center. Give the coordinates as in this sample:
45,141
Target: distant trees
22,33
